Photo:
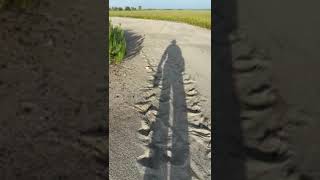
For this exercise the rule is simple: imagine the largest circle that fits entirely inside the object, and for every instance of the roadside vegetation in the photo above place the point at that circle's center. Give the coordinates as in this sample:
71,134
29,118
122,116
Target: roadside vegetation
200,18
117,44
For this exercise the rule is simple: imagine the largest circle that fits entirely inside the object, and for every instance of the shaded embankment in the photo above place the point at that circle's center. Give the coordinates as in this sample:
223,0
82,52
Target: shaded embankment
277,98
53,91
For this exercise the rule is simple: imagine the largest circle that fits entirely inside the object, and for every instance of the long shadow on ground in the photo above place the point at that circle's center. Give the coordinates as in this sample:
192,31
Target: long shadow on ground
171,127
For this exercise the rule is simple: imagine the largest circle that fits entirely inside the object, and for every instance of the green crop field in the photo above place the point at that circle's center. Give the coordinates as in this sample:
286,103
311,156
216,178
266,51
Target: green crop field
200,18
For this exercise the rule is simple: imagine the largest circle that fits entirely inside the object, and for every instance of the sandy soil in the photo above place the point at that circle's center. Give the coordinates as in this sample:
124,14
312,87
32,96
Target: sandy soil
52,91
124,121
160,103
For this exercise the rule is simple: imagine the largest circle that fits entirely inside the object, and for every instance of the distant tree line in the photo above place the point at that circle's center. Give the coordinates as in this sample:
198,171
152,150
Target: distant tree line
127,8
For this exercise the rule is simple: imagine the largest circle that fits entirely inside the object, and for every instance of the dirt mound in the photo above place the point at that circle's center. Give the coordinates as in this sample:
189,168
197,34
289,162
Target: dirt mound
265,95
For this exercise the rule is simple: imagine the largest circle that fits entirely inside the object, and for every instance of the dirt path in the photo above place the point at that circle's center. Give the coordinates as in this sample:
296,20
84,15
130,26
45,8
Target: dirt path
167,82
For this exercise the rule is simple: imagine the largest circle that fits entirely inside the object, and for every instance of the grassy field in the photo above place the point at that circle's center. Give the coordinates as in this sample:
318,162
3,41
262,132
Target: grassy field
117,44
200,18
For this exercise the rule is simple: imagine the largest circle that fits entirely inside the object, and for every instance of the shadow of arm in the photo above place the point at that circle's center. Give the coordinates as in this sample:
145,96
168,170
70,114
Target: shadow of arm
182,65
158,75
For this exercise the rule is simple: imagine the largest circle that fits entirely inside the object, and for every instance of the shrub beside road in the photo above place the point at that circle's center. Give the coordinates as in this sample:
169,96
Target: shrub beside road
117,44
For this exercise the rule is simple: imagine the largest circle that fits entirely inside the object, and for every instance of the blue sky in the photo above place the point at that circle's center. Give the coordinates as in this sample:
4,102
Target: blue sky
163,4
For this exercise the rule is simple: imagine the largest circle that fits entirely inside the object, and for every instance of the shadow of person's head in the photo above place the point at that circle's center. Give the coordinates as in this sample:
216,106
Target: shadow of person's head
172,56
173,50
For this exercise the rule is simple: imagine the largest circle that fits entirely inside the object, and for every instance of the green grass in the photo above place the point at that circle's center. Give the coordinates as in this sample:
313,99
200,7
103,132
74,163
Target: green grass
117,44
200,18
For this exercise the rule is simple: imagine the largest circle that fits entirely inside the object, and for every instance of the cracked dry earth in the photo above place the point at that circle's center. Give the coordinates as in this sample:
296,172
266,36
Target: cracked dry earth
160,119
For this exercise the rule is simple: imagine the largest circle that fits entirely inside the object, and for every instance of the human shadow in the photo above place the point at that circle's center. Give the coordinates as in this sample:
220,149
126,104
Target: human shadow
229,152
169,145
134,43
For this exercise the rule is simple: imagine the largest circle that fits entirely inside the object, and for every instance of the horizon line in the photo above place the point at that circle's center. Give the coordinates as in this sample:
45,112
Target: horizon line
167,8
